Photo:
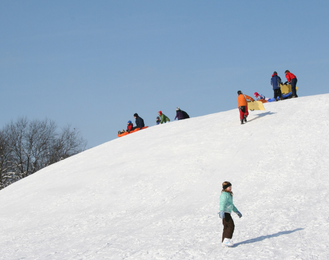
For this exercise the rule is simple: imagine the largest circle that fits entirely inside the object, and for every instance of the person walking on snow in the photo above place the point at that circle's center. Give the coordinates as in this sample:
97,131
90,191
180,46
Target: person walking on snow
243,107
226,206
163,118
275,82
292,79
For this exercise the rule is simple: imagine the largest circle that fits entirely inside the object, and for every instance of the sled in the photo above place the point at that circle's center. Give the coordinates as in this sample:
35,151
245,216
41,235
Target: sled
286,88
284,96
133,131
255,105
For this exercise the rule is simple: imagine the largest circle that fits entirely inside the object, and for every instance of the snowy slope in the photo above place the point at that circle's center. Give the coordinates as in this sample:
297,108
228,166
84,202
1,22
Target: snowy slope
154,194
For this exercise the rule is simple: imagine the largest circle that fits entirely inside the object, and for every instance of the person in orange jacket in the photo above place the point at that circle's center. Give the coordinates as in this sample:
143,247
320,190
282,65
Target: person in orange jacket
292,79
243,107
249,98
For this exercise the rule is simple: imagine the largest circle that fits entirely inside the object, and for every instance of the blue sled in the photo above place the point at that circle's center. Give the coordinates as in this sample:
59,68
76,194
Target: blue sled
284,96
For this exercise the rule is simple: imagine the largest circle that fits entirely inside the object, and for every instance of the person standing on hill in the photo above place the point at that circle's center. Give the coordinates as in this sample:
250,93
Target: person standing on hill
243,107
163,118
180,114
226,206
292,79
275,82
139,121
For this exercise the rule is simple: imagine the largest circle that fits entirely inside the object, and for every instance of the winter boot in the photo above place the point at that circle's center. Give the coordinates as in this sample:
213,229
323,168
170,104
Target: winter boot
227,242
245,119
241,121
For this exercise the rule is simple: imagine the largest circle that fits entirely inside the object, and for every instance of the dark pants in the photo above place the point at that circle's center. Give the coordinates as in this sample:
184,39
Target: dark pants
277,93
293,87
135,127
228,226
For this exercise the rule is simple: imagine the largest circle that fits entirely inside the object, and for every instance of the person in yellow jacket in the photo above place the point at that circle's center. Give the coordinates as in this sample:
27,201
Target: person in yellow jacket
243,106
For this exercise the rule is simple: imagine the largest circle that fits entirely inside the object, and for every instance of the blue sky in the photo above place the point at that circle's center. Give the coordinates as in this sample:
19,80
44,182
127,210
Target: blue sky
93,64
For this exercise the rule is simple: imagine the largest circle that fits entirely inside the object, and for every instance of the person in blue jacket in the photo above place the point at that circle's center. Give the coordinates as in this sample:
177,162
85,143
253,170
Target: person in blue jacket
275,82
226,206
139,121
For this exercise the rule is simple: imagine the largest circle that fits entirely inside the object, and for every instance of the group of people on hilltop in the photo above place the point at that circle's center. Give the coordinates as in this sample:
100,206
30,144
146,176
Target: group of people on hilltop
180,114
162,118
242,103
275,82
139,124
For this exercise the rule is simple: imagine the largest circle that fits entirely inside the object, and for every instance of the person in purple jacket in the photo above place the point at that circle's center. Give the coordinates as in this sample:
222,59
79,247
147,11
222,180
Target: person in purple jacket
180,114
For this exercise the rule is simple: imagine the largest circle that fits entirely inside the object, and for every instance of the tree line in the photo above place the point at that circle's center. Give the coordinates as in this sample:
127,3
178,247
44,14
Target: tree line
28,146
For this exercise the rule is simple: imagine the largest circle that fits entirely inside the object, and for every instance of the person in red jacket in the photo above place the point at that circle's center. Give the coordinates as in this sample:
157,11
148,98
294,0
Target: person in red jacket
243,107
129,128
292,79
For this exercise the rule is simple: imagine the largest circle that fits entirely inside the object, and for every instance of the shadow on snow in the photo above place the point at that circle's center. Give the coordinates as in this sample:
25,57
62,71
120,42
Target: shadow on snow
261,238
261,115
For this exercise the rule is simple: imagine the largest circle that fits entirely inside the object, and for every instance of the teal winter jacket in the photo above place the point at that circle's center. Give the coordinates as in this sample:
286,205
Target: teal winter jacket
226,202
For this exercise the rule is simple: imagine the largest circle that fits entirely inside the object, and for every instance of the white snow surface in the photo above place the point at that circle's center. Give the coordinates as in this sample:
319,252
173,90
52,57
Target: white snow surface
154,194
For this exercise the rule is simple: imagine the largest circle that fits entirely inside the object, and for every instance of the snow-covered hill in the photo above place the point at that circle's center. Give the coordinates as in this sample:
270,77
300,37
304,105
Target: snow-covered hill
154,194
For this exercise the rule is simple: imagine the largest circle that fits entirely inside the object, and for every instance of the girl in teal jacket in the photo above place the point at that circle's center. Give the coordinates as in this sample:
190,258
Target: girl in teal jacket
226,206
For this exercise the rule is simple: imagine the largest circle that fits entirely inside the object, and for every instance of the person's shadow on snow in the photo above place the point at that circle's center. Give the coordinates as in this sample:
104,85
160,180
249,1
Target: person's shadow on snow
261,115
261,238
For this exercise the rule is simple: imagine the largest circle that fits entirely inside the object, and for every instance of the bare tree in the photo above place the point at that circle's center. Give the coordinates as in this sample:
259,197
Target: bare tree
6,174
67,143
29,146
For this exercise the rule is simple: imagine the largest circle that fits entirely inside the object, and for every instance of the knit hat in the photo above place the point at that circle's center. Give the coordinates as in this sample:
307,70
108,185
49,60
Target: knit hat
129,122
160,112
239,92
275,73
135,115
256,94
